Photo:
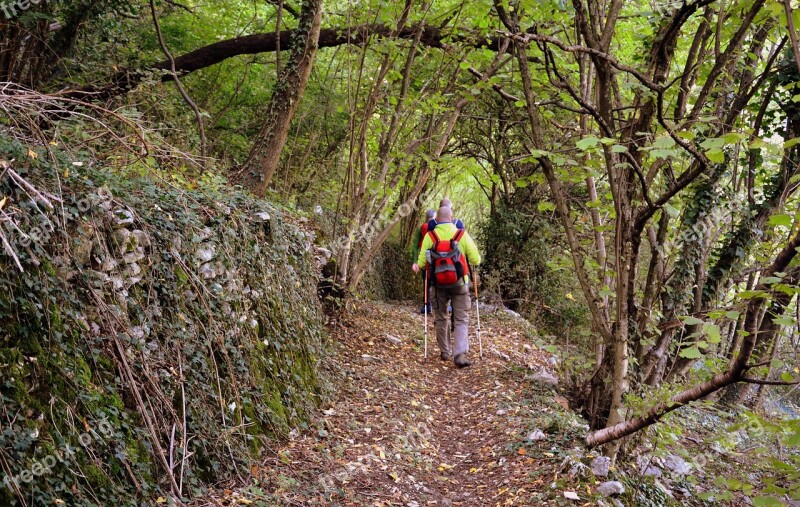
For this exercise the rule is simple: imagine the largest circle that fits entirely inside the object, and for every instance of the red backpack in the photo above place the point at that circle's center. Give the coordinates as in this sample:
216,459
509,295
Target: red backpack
423,230
446,262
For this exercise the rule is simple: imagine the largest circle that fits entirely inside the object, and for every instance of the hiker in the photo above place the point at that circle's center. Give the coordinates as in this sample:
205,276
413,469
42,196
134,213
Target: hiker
445,202
416,244
450,250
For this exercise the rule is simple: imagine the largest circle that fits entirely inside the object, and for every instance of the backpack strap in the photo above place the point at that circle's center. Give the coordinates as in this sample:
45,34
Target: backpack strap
423,232
434,236
458,235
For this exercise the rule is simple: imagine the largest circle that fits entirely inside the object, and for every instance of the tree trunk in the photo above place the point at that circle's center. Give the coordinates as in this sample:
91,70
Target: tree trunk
734,374
257,171
768,334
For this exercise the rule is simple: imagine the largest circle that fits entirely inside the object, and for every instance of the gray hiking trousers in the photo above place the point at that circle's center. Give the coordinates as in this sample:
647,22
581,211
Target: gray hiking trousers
460,301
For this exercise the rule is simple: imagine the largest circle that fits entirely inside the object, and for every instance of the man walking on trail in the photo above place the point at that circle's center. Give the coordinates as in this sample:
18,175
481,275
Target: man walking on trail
451,251
445,202
416,245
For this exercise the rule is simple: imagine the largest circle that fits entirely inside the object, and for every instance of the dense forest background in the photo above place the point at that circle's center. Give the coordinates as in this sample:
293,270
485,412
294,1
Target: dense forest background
629,168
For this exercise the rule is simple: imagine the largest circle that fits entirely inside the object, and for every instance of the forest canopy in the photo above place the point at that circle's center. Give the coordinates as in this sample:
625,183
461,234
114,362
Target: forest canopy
630,168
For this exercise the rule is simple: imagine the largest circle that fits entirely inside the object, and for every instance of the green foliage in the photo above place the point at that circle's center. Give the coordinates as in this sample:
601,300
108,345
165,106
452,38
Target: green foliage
519,268
233,340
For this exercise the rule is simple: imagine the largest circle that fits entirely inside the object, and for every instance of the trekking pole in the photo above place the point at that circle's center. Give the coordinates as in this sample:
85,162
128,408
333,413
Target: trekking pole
425,299
478,313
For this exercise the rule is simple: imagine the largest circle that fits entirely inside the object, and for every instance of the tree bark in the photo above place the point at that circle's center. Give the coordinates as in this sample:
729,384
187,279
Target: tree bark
257,171
734,374
212,54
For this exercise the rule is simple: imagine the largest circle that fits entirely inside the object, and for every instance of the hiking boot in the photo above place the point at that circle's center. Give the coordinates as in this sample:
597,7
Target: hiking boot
461,361
425,309
444,356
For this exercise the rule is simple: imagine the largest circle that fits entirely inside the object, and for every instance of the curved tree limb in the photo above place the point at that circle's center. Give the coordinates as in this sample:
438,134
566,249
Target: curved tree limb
206,56
734,374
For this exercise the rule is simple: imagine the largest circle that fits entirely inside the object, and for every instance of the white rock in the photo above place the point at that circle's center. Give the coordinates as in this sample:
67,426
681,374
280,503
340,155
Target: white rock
677,465
207,271
121,239
117,282
600,466
609,488
571,495
205,252
141,237
393,339
132,270
545,377
648,466
536,435
123,216
134,256
370,359
108,264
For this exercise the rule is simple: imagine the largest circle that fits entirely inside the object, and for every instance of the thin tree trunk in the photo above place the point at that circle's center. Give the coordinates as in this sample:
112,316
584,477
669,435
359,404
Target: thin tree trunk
257,171
734,374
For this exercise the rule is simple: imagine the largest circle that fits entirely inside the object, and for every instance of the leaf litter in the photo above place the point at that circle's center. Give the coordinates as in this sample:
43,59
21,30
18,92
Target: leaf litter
401,431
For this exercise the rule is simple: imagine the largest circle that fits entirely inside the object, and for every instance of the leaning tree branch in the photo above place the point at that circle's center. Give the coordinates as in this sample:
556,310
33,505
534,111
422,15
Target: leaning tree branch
209,55
733,375
792,32
762,382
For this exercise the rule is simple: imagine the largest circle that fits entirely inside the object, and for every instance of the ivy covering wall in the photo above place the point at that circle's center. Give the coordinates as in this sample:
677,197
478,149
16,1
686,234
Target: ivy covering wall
155,338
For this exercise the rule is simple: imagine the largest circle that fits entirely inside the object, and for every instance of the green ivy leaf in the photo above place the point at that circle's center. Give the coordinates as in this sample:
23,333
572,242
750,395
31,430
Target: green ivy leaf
691,353
716,155
783,321
587,143
781,219
791,142
712,332
713,143
690,321
767,501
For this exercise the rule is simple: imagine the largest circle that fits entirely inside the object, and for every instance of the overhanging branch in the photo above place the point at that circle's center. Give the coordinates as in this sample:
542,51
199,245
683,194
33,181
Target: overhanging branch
206,56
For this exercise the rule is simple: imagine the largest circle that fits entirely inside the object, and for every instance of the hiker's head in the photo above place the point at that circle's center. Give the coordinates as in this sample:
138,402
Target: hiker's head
446,202
445,214
429,215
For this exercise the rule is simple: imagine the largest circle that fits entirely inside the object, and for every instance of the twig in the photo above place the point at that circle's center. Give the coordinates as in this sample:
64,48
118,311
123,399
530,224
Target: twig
10,251
181,89
183,430
172,447
792,32
769,382
128,373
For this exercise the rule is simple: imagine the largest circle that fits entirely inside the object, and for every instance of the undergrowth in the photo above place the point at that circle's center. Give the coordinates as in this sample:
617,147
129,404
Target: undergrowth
177,328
